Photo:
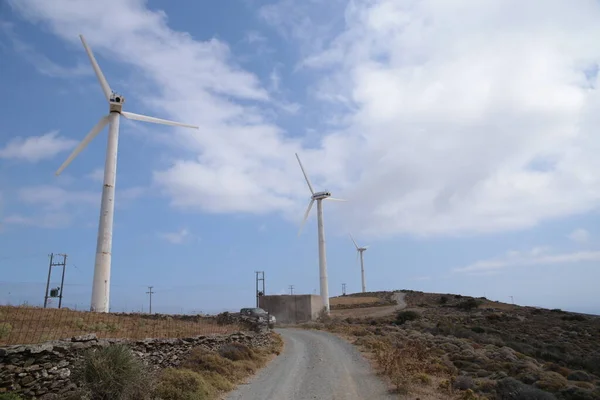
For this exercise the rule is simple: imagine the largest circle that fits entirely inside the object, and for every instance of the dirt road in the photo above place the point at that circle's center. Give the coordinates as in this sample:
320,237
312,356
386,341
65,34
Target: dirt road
314,365
372,312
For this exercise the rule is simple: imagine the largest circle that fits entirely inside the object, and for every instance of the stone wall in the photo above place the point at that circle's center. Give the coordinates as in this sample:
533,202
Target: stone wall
43,371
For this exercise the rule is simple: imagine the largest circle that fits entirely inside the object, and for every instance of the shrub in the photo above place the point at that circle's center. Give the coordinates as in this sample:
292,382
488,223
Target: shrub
201,360
464,383
404,316
443,299
113,372
10,396
478,329
236,352
323,316
512,389
183,384
5,330
423,378
557,310
468,304
574,317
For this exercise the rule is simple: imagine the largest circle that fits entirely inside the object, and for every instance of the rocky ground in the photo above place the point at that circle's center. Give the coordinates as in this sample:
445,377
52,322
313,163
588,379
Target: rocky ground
451,346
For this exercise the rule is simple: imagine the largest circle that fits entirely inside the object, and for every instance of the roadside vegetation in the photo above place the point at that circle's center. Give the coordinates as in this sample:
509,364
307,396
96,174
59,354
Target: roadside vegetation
116,373
456,347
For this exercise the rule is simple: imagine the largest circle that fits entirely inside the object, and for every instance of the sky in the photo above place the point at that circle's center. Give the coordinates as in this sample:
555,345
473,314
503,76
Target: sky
463,134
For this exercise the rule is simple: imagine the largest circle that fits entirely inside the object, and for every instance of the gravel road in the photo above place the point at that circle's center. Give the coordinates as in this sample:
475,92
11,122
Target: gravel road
314,365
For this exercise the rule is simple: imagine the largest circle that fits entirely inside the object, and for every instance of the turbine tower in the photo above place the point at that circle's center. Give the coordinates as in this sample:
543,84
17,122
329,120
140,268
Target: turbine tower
101,284
360,251
318,197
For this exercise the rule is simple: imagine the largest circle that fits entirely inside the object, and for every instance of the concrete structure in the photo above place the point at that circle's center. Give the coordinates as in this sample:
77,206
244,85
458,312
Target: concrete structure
291,309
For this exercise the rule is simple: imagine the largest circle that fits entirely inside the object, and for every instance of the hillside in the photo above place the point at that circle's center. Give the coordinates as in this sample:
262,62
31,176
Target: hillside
452,346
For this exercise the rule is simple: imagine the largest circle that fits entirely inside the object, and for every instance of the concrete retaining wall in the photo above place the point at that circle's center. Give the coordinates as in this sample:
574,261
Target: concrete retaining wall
291,309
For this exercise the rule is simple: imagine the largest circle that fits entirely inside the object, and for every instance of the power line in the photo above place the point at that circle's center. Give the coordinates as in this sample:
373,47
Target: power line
57,292
260,276
150,292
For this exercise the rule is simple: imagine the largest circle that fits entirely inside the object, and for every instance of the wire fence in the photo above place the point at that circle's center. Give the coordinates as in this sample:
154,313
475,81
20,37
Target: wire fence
28,325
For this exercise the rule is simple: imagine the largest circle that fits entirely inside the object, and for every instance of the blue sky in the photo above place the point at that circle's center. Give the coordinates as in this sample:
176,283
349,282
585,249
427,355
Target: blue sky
464,137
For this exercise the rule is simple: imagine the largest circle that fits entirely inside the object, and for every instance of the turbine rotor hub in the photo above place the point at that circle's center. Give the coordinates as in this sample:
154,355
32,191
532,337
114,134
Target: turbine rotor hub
321,195
116,102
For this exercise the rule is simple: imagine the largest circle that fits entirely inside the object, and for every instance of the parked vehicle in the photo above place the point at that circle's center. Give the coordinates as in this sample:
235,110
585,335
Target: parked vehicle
259,315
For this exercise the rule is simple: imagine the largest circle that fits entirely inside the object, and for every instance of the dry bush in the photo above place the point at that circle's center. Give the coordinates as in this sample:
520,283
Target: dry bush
10,396
113,373
403,362
207,374
183,384
237,352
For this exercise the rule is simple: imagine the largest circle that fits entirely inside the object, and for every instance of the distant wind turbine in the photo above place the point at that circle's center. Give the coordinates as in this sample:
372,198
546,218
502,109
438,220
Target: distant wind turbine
360,251
318,196
101,283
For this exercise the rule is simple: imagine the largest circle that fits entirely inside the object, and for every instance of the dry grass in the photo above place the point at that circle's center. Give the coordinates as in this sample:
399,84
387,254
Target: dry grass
208,375
26,325
348,300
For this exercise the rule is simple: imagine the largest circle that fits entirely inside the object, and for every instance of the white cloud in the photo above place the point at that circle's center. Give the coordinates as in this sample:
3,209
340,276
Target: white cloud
36,148
579,235
56,207
254,37
97,175
532,257
175,237
472,117
42,63
439,117
54,198
48,220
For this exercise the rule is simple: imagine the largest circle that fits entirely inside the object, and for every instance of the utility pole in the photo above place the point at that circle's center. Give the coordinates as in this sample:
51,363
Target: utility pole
260,277
512,299
343,289
58,293
291,289
150,292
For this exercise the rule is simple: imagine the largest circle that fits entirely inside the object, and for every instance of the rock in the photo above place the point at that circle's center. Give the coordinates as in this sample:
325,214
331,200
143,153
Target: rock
41,348
44,371
85,338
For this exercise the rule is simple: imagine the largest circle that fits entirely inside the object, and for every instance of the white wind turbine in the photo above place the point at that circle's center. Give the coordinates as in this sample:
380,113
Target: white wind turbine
319,196
101,284
360,251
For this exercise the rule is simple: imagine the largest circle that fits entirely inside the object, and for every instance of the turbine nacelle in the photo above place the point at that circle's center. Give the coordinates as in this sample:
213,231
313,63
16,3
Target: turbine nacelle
116,102
321,195
315,196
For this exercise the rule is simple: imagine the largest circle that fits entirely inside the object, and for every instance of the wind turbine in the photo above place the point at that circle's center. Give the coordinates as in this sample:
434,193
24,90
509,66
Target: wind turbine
101,284
360,251
318,197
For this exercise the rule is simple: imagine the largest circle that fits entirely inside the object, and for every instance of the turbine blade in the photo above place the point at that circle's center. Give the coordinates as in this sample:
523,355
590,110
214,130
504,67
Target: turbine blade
334,199
306,215
90,136
145,118
103,82
305,176
353,241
